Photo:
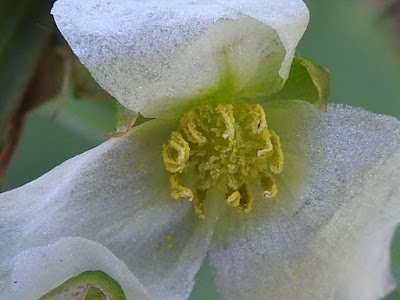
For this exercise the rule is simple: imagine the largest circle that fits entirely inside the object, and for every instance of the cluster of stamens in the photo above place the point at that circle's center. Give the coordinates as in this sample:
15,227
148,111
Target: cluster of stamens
223,146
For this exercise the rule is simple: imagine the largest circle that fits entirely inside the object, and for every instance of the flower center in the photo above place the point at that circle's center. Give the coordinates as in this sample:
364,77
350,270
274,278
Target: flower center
224,146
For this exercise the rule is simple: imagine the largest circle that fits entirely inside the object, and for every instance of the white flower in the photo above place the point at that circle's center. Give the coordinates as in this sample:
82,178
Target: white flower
326,233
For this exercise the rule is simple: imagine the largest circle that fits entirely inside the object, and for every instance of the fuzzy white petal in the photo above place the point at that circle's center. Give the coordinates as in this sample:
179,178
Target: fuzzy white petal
150,54
327,233
118,195
288,18
36,271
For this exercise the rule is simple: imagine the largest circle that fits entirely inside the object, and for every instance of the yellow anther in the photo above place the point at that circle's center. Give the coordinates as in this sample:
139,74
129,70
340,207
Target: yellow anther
226,111
175,153
268,186
227,147
263,152
246,200
198,204
179,191
266,151
258,115
276,165
234,199
189,127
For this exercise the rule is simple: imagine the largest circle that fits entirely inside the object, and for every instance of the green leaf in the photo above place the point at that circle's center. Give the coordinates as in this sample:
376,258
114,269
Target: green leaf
308,81
90,285
123,116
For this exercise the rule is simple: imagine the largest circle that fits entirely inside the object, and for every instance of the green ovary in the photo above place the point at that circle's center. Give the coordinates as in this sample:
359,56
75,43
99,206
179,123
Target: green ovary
226,147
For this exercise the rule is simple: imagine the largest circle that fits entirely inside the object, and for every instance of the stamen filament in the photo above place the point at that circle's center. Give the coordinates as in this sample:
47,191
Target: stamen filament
225,147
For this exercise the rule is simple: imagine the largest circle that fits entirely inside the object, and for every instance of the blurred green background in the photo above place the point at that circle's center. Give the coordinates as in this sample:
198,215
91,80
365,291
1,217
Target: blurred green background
346,36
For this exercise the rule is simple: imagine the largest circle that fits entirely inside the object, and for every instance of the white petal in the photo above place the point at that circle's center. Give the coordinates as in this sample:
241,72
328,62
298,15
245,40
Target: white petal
289,18
117,195
149,54
327,233
66,258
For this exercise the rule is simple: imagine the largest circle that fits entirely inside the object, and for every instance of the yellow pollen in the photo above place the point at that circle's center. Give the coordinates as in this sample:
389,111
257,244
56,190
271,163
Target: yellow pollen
269,187
189,127
276,166
234,199
259,122
176,153
227,147
226,112
178,191
198,204
246,201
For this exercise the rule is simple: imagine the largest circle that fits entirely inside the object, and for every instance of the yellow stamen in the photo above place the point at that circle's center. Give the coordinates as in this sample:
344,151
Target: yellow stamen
179,191
198,204
175,153
189,127
276,165
269,187
224,147
226,112
234,199
246,201
259,120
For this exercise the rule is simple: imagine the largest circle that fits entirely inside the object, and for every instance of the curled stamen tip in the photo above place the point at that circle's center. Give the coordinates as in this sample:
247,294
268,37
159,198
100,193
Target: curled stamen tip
224,146
234,199
189,195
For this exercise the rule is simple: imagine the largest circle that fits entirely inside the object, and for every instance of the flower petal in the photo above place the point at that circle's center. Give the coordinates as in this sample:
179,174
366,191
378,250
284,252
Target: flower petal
117,195
289,18
150,54
66,258
327,234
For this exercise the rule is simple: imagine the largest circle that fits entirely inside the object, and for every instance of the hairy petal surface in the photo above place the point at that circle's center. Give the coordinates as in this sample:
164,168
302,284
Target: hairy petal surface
327,234
152,54
288,18
117,195
37,270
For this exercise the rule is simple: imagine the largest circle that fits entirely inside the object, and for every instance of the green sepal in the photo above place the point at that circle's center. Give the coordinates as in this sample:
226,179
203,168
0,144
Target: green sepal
90,285
123,116
308,81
